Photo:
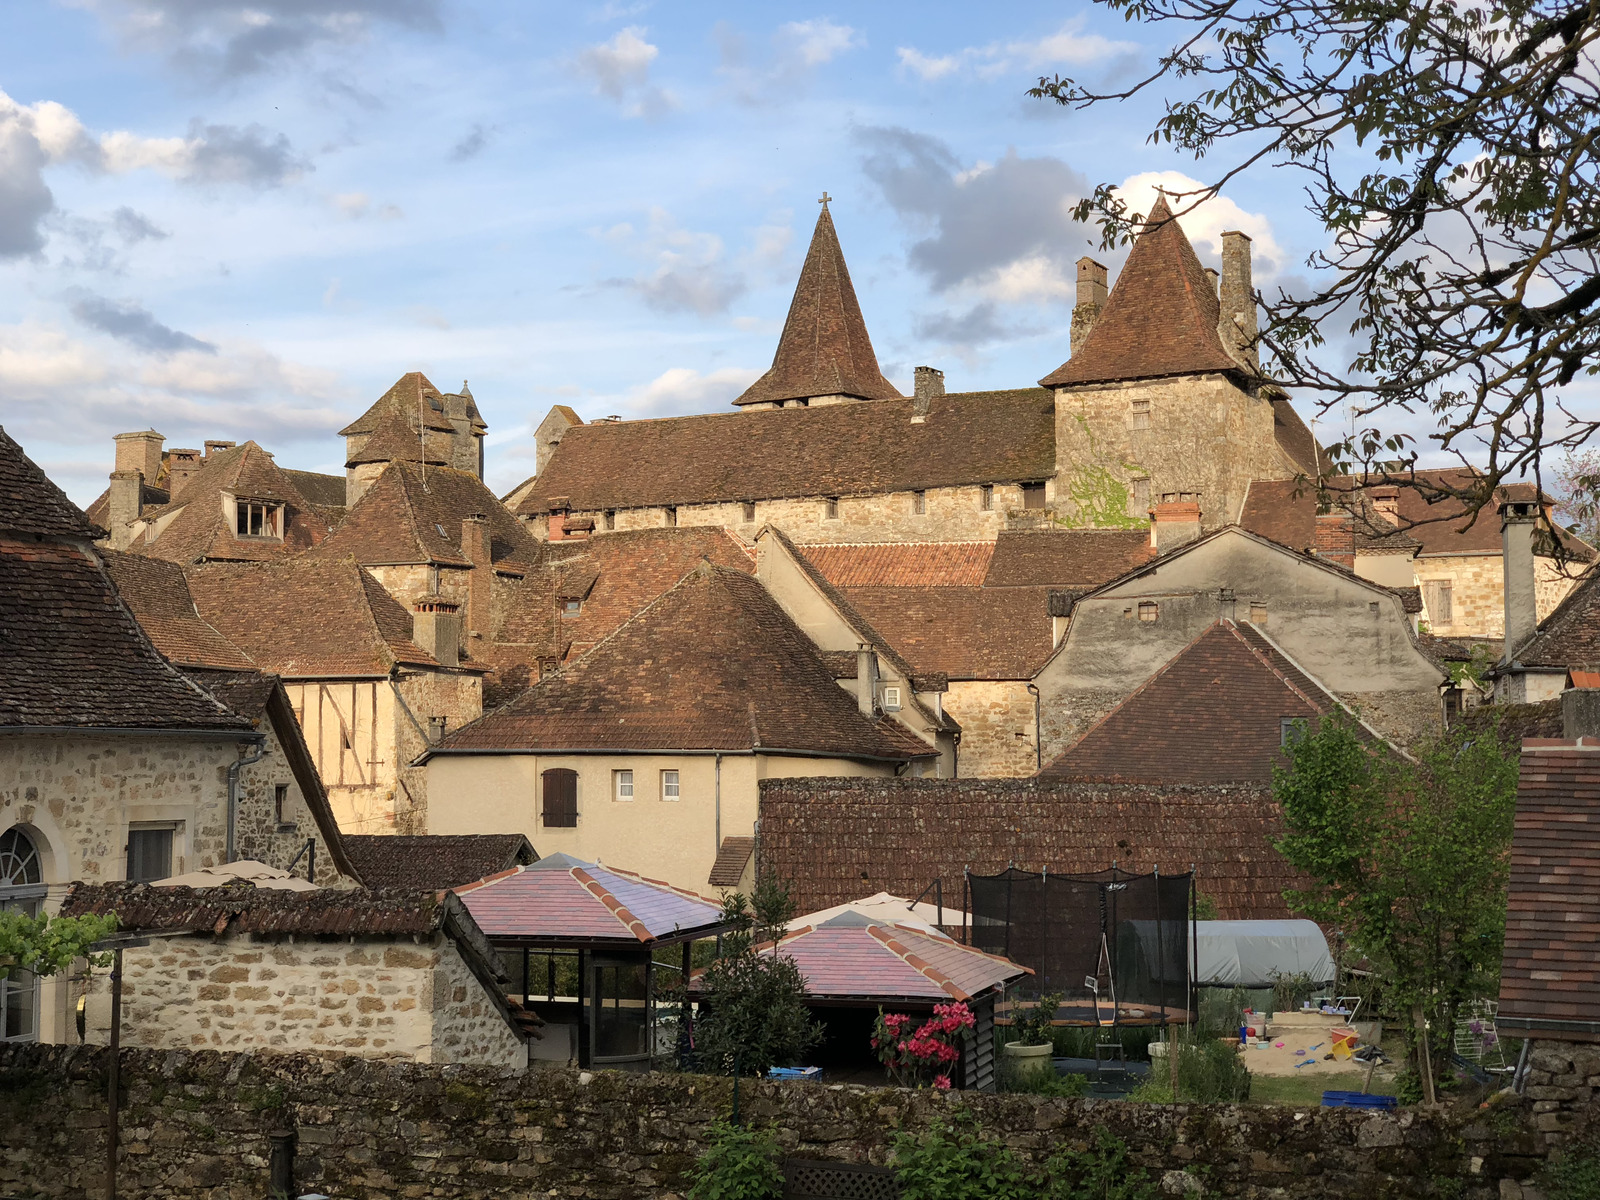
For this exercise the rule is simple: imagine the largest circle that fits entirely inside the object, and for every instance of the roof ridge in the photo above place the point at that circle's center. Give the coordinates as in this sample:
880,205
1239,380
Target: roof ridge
617,908
1360,720
917,963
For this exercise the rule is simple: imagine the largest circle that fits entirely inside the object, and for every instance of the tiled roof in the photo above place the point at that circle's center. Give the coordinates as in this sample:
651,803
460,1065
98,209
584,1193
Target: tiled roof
902,564
72,654
199,530
1285,510
1160,319
824,349
245,692
837,449
1569,636
563,899
31,503
1076,558
410,396
1550,976
158,594
1296,440
394,441
962,632
1212,715
307,619
400,516
1513,722
435,861
324,491
243,908
714,664
732,858
858,958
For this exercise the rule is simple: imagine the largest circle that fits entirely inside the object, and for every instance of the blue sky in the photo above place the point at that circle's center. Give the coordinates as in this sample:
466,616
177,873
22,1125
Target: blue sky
236,221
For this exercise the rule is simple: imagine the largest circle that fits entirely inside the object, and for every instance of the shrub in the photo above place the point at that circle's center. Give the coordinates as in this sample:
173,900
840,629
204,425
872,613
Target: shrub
741,1164
1035,1028
1573,1175
931,1049
1103,1172
951,1160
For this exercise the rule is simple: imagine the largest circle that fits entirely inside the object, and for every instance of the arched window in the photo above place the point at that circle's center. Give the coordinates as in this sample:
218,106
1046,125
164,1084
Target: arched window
21,890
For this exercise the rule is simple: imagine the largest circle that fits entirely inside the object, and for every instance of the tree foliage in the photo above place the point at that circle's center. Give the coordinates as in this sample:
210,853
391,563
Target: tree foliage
47,945
1410,857
1450,151
755,1007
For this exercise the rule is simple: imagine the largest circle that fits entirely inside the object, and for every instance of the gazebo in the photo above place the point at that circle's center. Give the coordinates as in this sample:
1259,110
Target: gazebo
582,939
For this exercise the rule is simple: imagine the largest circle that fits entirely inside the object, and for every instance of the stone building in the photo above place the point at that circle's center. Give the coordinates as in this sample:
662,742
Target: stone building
394,974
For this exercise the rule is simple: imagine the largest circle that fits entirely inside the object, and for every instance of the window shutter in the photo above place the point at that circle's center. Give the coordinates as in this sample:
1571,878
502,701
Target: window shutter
560,798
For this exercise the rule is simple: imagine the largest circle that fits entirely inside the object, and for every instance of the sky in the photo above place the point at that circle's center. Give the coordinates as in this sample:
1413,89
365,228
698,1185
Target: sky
240,221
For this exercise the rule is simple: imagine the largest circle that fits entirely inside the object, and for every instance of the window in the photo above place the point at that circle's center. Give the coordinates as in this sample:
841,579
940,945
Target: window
21,890
258,519
436,728
622,785
891,698
1373,608
571,608
611,518
560,788
672,517
830,509
1139,415
1139,500
749,510
1033,495
1149,610
149,854
1258,614
986,497
919,503
669,785
280,798
1437,594
1287,731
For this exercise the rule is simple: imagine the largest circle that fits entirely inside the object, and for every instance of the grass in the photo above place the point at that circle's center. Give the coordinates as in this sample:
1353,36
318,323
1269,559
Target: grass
1294,1090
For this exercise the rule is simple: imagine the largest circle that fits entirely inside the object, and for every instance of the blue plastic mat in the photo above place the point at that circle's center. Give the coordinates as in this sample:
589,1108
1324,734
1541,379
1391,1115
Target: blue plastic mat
1358,1100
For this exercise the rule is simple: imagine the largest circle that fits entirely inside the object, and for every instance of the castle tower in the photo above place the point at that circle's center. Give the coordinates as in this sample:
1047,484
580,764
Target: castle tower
413,422
824,355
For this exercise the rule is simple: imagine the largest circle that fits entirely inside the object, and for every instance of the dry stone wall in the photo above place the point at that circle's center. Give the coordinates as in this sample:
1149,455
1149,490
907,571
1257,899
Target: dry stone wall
196,1126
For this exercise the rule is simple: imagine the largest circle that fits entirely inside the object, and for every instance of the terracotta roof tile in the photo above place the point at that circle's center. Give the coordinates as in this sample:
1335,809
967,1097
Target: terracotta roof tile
158,594
1079,558
435,861
838,449
1160,319
962,632
902,564
714,664
1550,977
824,349
31,503
1285,511
323,491
411,394
732,858
243,908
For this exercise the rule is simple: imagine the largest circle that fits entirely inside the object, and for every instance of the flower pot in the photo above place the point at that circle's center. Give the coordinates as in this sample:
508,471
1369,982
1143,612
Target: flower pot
1030,1060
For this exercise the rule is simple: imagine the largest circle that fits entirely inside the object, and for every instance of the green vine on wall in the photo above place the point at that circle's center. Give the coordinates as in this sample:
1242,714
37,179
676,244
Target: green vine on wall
1098,494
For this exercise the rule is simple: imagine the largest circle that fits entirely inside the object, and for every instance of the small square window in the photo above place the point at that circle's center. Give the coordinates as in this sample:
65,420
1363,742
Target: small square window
1373,608
149,854
622,784
891,698
611,518
280,798
548,667
986,497
669,785
1033,495
672,518
749,510
571,608
1139,415
830,509
1287,732
1258,614
919,503
1149,610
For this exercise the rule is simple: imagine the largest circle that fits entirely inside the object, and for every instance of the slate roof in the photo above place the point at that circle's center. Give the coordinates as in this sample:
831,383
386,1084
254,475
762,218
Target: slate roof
1569,636
400,516
307,619
714,664
30,502
435,861
902,564
854,957
158,594
1550,975
1077,558
732,858
1160,318
824,349
837,449
962,632
564,899
1211,715
1295,439
410,395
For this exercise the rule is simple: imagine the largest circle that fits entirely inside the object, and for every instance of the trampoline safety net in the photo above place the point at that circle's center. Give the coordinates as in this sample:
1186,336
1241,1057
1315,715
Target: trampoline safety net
1130,931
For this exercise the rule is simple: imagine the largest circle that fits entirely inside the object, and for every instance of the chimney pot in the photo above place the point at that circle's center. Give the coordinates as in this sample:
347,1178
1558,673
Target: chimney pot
125,505
182,465
1214,278
476,546
1092,295
866,680
1336,537
436,627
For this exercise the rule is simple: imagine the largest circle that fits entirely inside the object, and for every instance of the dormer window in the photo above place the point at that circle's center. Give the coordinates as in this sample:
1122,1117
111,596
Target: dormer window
259,519
891,699
571,608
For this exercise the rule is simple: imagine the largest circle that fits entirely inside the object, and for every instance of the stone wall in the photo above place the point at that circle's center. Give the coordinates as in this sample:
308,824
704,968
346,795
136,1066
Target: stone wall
367,997
1478,591
195,1127
1563,1085
261,831
992,713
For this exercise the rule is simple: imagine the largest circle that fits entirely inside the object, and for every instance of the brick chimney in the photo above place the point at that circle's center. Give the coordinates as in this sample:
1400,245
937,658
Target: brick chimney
475,544
140,452
929,383
182,466
217,447
1174,521
1237,322
436,627
1091,299
1336,537
559,508
1517,519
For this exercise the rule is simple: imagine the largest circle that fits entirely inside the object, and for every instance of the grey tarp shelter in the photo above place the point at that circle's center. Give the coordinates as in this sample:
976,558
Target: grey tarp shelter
1250,953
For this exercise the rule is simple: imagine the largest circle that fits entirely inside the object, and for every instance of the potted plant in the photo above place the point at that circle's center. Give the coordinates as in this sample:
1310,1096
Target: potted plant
1033,1045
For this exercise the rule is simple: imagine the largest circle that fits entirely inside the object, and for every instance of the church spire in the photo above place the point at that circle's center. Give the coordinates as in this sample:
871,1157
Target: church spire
824,350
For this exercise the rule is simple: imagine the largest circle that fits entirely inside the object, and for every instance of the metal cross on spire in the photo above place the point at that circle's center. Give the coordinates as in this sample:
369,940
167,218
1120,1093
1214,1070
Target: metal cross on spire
825,199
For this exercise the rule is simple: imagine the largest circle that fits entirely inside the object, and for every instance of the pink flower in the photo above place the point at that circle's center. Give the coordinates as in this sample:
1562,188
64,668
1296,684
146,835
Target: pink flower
942,1082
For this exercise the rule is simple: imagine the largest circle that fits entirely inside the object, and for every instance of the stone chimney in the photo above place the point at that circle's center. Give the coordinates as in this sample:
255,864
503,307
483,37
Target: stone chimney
866,679
1580,712
1236,324
1336,537
126,503
475,544
929,383
1091,299
1517,519
217,447
1214,279
560,507
1174,521
182,466
140,452
436,627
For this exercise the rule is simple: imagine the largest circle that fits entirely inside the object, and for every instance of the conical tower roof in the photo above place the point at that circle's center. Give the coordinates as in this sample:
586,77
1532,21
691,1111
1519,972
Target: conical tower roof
824,350
1160,319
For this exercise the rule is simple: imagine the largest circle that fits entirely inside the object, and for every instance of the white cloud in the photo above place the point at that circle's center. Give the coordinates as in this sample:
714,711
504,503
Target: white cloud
620,69
818,41
927,67
691,272
1209,220
684,390
357,205
798,49
1068,46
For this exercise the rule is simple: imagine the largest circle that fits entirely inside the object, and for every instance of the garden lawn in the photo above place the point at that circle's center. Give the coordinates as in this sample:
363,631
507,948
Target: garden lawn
1293,1090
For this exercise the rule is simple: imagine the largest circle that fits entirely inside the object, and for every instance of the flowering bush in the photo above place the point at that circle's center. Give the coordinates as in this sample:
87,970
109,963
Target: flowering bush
915,1052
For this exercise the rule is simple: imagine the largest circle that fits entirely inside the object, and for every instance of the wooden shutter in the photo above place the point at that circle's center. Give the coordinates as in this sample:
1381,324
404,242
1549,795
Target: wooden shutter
560,788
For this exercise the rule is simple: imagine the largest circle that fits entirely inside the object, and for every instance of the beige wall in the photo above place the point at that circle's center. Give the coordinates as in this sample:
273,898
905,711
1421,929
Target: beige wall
1478,594
373,998
992,713
1204,435
675,841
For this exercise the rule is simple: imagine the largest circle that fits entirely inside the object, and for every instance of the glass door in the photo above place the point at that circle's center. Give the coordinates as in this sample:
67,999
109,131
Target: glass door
619,1010
21,890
